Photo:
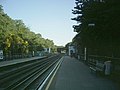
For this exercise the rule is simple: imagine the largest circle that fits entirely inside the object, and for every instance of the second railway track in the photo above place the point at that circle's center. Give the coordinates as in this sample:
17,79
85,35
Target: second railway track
28,75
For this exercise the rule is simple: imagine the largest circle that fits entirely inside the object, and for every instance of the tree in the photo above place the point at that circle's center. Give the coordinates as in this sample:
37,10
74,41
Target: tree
98,25
16,37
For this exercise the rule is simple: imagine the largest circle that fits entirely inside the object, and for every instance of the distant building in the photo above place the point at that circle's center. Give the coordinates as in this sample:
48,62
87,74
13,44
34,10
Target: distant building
48,50
71,50
61,49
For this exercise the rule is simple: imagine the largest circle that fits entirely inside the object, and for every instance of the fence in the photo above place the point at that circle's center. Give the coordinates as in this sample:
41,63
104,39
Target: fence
94,60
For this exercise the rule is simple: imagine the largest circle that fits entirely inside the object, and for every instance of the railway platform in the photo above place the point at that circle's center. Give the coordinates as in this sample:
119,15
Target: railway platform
75,75
15,61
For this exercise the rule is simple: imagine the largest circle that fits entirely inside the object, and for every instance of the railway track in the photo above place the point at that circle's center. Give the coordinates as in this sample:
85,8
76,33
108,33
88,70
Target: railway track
27,75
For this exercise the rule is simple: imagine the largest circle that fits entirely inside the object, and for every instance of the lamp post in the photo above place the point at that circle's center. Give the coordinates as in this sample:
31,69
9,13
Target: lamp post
86,49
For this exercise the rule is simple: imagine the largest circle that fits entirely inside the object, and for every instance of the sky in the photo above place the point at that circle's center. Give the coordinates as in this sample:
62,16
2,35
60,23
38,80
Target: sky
50,18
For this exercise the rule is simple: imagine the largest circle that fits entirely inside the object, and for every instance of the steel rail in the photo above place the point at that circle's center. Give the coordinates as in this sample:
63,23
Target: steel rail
16,78
43,86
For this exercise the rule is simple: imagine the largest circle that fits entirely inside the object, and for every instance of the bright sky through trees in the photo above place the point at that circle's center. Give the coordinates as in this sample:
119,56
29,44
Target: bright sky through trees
51,18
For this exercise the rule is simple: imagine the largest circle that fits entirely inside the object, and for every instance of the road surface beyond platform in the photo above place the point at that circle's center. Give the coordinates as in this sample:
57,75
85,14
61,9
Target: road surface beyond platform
75,75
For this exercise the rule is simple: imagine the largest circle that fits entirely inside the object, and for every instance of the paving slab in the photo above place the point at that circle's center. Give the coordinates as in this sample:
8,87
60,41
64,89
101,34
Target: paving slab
75,75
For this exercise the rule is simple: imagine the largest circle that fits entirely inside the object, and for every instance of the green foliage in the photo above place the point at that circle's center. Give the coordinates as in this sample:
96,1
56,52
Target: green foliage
16,38
104,36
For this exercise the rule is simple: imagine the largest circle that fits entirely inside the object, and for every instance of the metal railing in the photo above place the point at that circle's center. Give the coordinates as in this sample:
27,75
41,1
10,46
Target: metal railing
115,64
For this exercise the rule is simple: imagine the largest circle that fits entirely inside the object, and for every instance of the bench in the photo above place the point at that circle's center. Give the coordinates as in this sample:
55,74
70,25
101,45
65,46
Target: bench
92,65
93,69
98,68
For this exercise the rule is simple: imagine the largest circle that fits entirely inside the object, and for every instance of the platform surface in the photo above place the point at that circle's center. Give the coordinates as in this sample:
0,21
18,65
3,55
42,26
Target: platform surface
15,61
75,75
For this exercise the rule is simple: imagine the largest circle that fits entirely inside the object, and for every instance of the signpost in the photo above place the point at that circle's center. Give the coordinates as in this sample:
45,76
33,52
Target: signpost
1,54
